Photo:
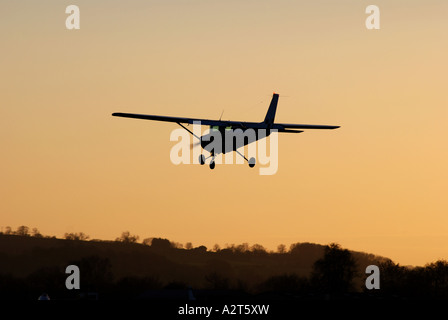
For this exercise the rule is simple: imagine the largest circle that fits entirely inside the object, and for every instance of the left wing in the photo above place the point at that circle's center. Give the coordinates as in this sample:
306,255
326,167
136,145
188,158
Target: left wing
205,122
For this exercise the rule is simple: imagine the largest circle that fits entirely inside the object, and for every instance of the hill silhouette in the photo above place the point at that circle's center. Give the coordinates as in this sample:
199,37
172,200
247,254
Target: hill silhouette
31,265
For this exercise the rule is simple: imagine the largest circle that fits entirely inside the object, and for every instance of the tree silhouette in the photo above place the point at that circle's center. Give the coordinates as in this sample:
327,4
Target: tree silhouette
244,247
76,236
114,269
161,244
258,249
177,245
200,249
35,233
126,237
23,231
281,248
334,272
393,276
437,272
96,272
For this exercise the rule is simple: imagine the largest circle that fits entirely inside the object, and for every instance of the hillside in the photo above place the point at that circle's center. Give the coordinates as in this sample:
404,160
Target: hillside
112,265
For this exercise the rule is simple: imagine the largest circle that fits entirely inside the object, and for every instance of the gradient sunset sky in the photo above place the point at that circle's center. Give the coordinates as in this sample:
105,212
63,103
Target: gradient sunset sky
378,184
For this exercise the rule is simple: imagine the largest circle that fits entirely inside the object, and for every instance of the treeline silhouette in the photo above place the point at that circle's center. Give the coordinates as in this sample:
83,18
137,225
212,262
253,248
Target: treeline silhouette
31,264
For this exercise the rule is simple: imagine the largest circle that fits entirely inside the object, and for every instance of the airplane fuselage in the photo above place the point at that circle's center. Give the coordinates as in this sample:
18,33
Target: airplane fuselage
223,140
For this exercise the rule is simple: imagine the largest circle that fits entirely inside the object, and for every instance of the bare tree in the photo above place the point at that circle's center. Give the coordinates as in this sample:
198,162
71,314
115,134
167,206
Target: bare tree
35,233
281,248
258,248
76,236
177,245
23,231
126,237
244,247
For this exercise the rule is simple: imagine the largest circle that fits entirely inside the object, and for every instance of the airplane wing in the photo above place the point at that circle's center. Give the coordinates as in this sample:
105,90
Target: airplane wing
281,127
205,122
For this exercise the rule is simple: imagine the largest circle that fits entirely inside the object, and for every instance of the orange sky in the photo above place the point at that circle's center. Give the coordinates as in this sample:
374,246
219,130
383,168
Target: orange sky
378,184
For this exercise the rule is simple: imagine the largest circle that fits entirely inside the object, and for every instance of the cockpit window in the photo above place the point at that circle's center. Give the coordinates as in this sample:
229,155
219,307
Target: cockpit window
216,128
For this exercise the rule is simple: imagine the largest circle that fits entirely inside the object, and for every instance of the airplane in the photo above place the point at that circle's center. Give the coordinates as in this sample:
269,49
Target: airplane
266,125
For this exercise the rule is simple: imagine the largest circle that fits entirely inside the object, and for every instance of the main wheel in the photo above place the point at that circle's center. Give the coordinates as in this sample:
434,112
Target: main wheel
252,162
202,159
212,165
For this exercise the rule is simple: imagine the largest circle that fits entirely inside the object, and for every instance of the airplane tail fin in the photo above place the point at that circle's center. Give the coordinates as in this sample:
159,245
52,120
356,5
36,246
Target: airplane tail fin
270,115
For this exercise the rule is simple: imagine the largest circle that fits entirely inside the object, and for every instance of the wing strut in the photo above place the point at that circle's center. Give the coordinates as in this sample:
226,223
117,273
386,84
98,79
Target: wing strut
189,131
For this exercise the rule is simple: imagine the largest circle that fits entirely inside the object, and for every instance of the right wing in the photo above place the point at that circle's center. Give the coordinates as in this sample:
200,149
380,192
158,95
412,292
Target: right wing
281,126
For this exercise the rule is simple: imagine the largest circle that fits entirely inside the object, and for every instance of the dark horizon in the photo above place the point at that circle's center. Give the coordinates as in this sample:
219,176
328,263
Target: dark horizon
126,269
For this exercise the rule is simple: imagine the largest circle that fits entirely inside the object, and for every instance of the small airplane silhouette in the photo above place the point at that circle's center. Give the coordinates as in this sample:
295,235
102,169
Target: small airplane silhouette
267,125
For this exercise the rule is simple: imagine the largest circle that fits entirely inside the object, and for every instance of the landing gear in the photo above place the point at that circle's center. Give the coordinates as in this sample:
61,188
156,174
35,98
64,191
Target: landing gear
202,159
251,162
212,164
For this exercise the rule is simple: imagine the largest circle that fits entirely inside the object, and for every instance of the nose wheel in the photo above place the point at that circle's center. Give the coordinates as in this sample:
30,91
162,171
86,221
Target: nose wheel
202,159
